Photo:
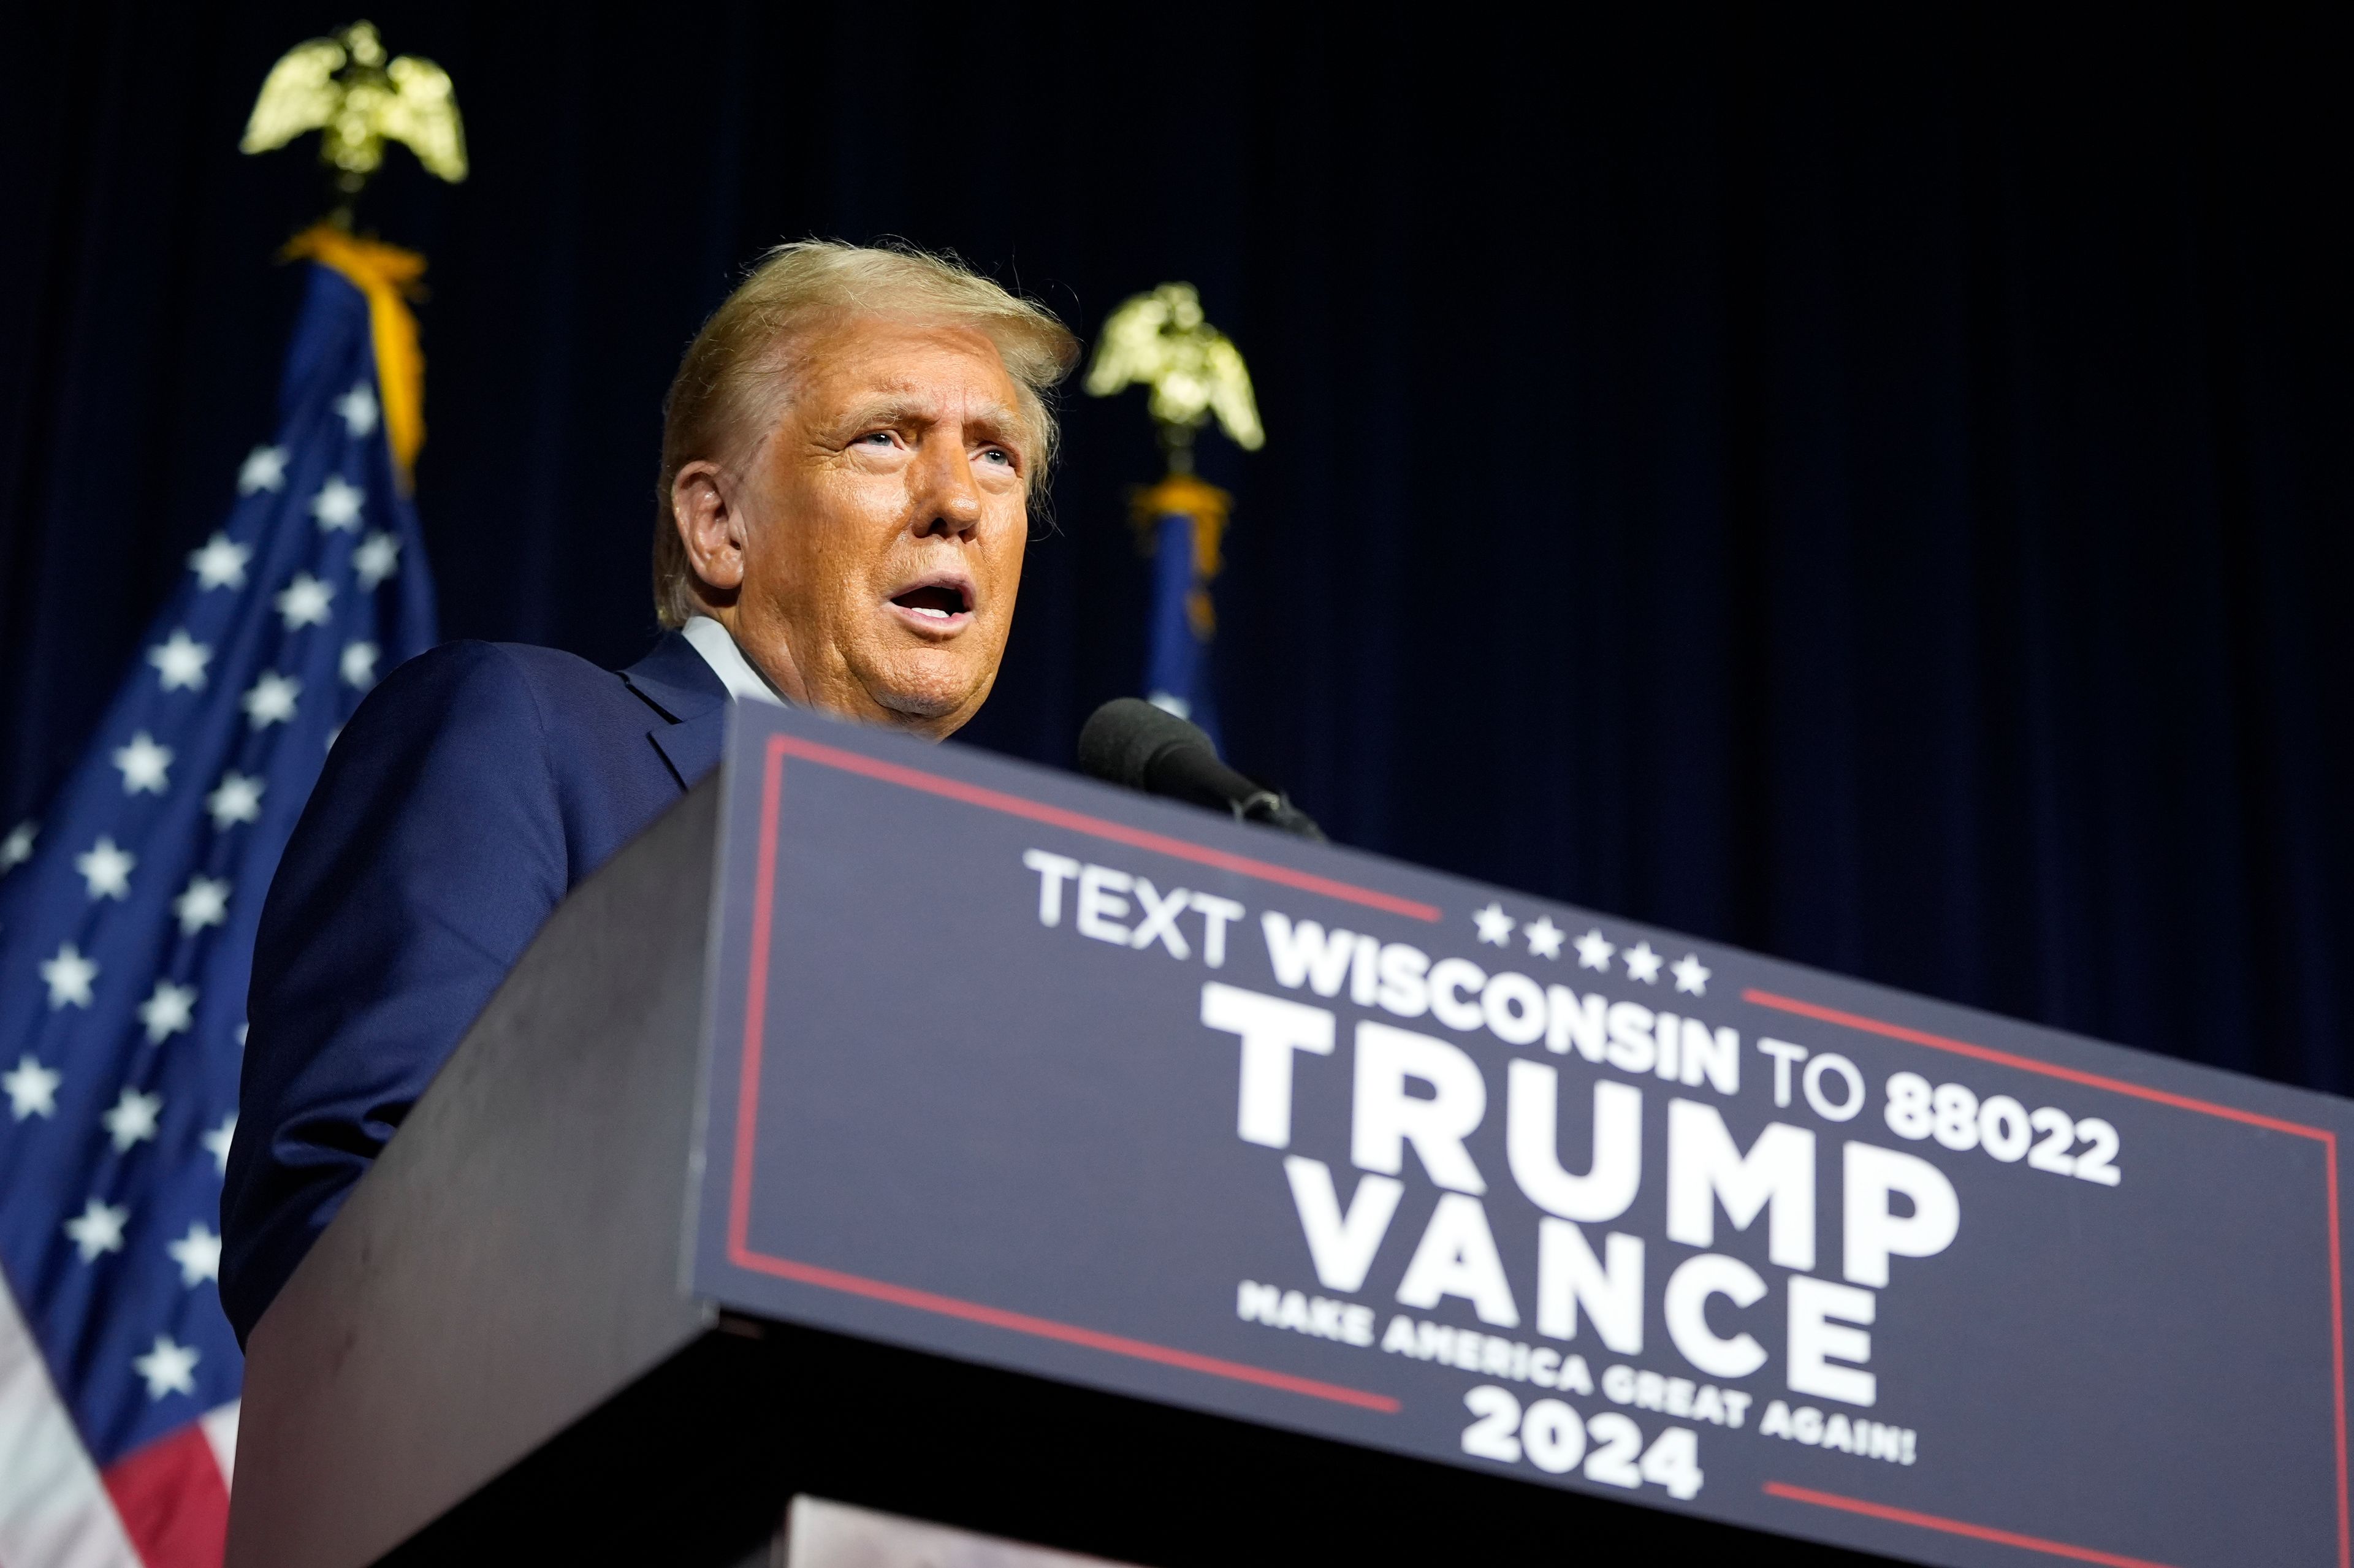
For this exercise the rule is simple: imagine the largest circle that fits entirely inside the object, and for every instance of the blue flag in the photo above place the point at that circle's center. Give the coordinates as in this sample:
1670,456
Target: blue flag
127,918
1182,520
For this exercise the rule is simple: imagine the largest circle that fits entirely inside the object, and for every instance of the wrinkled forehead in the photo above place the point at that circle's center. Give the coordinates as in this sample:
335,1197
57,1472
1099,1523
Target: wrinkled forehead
872,365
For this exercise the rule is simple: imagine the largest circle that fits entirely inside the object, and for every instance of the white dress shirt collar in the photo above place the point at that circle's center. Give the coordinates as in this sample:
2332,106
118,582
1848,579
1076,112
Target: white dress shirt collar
738,675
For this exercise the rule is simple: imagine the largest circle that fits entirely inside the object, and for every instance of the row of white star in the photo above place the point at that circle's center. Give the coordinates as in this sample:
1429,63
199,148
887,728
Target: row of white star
265,466
106,867
71,975
1595,950
145,762
220,561
337,504
32,1090
169,1367
106,870
180,663
98,1230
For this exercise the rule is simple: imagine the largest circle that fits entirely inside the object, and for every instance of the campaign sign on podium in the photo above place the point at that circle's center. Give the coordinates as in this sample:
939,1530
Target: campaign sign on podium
1012,1067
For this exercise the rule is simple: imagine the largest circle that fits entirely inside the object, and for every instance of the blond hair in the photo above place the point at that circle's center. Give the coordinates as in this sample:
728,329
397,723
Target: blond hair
733,382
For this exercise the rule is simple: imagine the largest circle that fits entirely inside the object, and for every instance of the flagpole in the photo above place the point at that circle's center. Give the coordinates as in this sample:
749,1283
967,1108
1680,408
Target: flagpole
1162,341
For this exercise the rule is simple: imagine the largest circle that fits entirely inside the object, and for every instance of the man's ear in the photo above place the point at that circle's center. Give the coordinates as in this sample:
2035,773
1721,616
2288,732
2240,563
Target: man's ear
709,525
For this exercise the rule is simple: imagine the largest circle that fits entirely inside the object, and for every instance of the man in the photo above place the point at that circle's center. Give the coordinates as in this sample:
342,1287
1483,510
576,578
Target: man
848,452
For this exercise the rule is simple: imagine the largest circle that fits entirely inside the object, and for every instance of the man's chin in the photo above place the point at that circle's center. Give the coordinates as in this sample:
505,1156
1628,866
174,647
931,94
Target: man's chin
928,700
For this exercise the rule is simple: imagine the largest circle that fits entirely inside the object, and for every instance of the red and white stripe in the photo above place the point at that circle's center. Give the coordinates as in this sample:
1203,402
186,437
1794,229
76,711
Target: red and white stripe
165,1506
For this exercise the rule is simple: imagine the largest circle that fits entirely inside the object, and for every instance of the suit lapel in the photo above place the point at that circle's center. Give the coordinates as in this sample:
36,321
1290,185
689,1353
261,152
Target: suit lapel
683,692
693,746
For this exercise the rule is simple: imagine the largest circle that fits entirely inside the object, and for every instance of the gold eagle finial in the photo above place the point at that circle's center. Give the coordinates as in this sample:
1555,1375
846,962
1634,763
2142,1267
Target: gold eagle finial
1162,341
343,88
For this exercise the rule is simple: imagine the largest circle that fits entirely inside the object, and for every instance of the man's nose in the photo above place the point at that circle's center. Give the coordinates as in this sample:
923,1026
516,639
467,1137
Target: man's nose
949,504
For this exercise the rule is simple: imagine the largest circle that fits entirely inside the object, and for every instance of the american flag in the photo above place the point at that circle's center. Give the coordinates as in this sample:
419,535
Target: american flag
127,917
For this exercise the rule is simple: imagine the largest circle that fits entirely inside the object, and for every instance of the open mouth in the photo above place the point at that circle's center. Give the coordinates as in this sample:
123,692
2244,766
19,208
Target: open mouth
944,603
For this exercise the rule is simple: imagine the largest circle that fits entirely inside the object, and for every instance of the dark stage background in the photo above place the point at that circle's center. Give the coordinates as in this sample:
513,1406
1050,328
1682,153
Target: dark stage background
1873,490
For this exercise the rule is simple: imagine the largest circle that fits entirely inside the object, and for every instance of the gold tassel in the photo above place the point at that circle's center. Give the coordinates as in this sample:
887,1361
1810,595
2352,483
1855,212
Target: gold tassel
1207,505
388,276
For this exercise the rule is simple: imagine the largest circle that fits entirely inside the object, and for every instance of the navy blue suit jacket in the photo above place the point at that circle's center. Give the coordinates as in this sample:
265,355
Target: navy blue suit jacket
467,796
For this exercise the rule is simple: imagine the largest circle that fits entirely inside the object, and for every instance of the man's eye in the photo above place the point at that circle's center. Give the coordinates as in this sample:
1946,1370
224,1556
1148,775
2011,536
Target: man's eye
882,436
998,455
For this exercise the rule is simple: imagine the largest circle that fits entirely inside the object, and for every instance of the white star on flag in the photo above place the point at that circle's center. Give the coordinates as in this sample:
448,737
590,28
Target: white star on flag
168,1368
17,847
265,469
106,869
238,800
1642,964
304,602
143,765
67,976
359,664
204,902
1544,938
218,1139
1690,974
1594,951
271,700
133,1120
96,1229
377,559
1495,926
180,660
197,1254
168,1011
337,505
32,1089
358,408
220,563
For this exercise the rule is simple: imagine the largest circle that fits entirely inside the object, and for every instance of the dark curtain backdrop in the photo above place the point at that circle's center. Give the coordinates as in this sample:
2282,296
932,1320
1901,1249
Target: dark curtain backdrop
1874,489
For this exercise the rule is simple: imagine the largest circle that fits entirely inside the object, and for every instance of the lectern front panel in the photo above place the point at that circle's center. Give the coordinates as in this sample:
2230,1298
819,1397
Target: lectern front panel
1013,1069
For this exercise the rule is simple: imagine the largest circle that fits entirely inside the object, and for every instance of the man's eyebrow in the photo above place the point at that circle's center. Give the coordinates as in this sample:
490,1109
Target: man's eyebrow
892,408
1003,424
995,421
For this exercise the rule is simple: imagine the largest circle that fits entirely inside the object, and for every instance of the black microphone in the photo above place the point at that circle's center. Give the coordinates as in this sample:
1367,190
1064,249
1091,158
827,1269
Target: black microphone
1129,742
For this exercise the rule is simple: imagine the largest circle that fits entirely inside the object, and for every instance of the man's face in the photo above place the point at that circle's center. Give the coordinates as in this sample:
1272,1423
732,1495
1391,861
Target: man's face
882,525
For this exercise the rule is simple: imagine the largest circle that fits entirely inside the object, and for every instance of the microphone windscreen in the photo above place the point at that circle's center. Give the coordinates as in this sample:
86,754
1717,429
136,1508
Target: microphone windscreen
1122,737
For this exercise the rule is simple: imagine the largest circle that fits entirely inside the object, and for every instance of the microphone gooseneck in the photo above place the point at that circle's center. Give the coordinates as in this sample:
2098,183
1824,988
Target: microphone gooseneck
1130,743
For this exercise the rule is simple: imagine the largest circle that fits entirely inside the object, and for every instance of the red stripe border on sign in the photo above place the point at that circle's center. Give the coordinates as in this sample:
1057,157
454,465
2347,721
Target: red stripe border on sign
780,746
756,1003
2321,1135
1068,1333
1955,1526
